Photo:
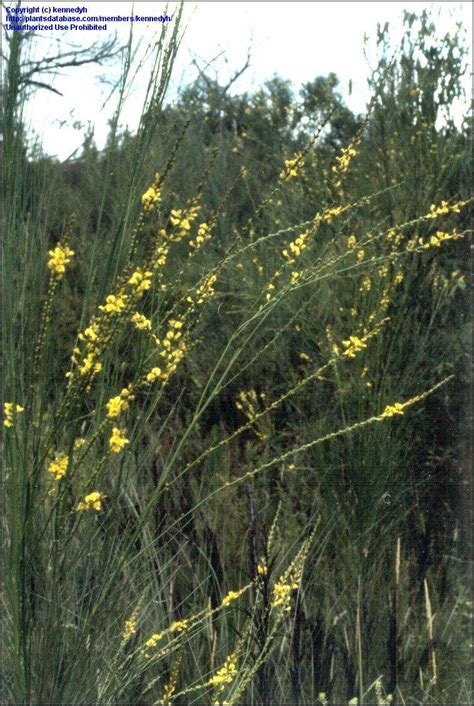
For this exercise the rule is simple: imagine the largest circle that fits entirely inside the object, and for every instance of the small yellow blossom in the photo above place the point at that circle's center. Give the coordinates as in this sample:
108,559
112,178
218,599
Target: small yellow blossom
93,501
130,627
114,304
154,639
178,626
57,468
151,197
292,166
283,590
391,410
226,674
232,596
351,241
399,277
10,409
344,159
141,281
118,404
153,375
91,333
206,289
90,364
59,258
201,237
141,322
118,440
352,346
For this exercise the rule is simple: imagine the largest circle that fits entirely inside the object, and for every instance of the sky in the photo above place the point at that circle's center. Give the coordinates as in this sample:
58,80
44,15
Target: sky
296,41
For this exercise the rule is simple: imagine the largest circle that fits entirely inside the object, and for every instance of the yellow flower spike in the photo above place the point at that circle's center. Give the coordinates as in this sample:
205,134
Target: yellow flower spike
10,410
57,468
59,258
233,595
226,674
130,627
283,589
118,440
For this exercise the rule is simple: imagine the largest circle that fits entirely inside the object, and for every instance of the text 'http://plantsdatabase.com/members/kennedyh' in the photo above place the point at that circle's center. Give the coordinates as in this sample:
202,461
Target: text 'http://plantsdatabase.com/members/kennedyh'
53,17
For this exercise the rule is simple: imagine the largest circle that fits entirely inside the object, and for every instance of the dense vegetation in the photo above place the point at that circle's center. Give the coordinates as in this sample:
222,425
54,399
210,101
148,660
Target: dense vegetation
251,486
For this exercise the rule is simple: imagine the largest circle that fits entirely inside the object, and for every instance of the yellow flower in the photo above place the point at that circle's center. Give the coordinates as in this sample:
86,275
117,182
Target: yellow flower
117,405
292,166
141,281
399,277
154,639
391,410
90,364
9,412
91,332
283,590
57,468
178,626
59,258
151,197
232,596
225,675
130,627
351,241
93,501
118,440
153,375
206,290
352,346
344,159
114,304
141,322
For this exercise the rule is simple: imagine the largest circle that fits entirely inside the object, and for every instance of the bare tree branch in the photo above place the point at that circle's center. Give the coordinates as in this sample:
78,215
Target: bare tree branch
237,73
40,84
